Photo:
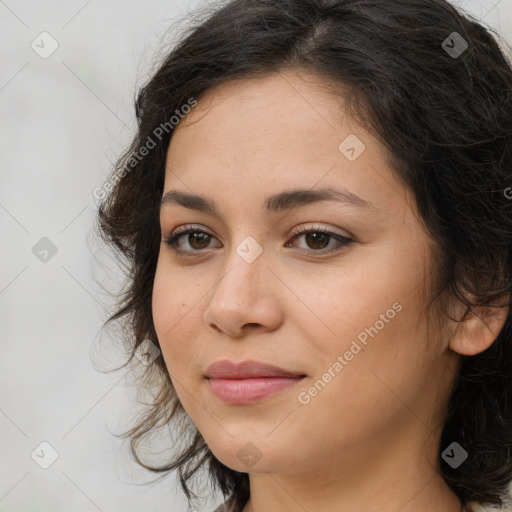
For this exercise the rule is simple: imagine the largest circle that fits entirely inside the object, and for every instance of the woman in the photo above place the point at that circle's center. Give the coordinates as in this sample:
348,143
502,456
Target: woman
316,213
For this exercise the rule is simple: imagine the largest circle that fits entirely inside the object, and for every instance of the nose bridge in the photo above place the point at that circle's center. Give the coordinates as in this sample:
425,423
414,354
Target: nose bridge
243,269
237,298
246,292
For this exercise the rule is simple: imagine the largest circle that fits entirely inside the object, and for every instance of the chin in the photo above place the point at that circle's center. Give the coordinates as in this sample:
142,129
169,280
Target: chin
256,456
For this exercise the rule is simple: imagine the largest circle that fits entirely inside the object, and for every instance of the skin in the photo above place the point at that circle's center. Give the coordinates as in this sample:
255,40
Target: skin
369,439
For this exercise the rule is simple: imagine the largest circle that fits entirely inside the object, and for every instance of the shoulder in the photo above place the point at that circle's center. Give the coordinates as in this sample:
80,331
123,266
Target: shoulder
223,508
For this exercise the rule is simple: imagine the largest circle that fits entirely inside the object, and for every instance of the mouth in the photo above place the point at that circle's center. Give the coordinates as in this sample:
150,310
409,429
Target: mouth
248,382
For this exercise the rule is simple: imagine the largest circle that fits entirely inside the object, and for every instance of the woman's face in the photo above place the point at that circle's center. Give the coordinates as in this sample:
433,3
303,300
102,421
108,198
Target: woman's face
349,317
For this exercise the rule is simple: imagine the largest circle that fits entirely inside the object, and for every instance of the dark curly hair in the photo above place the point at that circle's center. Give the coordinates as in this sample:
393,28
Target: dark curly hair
440,102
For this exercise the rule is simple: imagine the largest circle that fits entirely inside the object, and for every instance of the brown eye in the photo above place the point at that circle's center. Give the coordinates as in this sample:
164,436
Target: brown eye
198,238
317,240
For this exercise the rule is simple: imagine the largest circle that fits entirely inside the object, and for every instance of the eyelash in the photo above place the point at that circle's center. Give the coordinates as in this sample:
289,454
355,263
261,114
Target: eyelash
172,241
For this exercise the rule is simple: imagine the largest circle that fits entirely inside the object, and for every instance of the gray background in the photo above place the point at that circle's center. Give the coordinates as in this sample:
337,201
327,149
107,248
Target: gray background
64,120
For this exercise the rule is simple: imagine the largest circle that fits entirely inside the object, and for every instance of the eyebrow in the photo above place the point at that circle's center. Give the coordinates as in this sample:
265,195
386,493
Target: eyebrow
285,200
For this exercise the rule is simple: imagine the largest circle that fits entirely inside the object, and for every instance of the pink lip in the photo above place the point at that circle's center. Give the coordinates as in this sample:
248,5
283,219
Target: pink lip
246,369
248,391
249,381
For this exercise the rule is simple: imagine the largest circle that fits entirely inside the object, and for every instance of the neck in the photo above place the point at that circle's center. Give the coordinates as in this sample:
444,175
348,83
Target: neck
284,494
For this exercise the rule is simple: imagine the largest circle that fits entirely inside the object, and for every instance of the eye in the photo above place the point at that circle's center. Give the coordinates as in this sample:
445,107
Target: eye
317,238
197,239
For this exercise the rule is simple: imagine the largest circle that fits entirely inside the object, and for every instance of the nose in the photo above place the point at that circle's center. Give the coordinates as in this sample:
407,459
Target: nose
244,298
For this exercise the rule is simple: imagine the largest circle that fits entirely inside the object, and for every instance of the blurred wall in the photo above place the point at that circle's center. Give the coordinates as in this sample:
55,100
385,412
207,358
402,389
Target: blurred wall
68,75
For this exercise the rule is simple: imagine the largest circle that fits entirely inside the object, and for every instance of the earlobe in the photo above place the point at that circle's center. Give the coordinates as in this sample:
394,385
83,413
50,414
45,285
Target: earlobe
478,329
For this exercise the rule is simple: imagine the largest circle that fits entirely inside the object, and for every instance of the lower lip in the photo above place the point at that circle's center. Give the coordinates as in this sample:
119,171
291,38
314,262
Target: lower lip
248,391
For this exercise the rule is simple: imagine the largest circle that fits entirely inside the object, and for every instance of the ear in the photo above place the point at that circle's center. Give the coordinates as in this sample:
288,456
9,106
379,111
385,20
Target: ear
478,329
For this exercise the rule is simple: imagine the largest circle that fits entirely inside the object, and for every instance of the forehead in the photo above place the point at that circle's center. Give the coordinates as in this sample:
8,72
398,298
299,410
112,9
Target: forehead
273,110
267,134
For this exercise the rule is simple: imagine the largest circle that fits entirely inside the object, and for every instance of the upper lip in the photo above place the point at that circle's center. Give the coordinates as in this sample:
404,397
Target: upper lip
247,369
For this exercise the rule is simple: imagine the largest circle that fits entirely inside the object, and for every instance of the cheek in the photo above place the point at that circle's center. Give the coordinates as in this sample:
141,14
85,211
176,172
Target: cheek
333,310
172,298
171,309
373,390
375,322
162,305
